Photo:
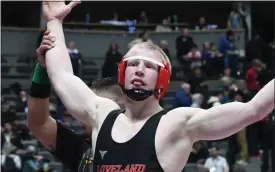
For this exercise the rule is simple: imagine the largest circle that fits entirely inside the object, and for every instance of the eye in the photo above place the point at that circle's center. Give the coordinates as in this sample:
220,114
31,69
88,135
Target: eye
149,66
133,63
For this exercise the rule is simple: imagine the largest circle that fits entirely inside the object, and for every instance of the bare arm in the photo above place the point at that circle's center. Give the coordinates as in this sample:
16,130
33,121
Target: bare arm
224,120
40,123
78,99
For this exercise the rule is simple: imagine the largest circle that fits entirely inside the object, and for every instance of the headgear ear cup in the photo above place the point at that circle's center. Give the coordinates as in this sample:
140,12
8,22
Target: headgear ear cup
163,80
121,72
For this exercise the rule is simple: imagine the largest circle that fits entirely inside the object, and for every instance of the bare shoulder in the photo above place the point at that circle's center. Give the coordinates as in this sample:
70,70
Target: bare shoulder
172,139
102,108
181,115
173,123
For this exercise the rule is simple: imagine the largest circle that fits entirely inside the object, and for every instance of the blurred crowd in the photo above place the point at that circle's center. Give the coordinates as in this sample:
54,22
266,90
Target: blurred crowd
241,74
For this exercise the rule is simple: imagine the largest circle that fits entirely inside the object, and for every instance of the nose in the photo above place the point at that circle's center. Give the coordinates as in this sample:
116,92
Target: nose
140,70
139,73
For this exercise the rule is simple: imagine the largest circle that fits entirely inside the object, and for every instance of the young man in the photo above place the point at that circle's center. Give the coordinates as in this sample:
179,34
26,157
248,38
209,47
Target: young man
142,138
60,140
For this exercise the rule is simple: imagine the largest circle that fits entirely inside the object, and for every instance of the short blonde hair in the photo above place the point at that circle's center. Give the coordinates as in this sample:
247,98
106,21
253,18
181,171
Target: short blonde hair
155,48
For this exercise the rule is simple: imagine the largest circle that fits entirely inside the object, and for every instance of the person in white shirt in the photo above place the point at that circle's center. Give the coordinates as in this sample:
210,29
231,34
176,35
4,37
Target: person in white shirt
216,163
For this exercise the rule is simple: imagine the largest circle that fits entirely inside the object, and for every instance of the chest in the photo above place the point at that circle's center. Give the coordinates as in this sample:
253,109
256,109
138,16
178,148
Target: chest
125,145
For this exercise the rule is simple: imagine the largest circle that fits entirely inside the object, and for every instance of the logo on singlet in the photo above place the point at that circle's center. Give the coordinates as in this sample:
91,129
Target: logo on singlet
120,168
102,153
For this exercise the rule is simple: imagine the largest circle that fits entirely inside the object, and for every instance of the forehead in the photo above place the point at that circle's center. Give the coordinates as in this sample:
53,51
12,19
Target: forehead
139,50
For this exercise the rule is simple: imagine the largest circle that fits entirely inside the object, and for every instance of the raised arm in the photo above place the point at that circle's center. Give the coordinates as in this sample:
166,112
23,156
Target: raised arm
224,120
39,121
78,99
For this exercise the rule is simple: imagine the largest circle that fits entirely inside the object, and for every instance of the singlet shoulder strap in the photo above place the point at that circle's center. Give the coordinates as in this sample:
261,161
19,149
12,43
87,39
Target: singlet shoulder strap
115,113
163,112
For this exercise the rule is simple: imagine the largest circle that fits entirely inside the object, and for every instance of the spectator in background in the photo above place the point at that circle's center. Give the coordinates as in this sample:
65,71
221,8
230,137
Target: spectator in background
211,59
10,162
75,57
253,86
251,78
199,153
256,48
142,37
164,46
35,162
194,57
196,79
201,24
241,135
10,136
267,145
184,45
207,60
7,115
112,59
216,163
15,88
227,47
182,98
197,100
234,20
15,135
214,51
143,18
206,51
23,103
244,9
227,78
215,100
164,27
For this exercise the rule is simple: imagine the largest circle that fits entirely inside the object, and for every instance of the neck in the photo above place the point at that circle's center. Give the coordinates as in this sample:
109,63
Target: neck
143,109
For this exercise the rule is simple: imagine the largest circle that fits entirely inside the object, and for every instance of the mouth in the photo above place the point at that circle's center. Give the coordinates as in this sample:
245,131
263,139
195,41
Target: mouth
137,82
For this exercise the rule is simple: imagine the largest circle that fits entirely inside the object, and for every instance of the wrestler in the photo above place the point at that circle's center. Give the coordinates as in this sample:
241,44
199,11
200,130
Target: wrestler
71,148
144,137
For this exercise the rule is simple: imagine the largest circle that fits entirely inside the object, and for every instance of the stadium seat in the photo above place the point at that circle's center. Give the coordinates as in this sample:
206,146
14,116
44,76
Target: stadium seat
56,166
21,115
191,168
47,155
26,143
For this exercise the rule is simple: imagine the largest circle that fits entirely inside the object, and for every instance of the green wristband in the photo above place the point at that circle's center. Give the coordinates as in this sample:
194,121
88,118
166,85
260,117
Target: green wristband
40,76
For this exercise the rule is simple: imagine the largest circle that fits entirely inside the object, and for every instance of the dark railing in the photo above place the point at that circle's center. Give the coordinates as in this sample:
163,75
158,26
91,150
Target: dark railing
100,26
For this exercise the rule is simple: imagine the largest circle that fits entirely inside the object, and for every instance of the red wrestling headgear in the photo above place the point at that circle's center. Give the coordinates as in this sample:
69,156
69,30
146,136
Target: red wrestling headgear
162,81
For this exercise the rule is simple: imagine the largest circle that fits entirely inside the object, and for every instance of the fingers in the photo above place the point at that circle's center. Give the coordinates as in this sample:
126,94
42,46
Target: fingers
48,40
74,3
47,32
46,44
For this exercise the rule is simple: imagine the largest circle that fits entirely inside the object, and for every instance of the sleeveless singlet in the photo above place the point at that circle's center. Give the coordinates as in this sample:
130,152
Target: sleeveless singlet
136,155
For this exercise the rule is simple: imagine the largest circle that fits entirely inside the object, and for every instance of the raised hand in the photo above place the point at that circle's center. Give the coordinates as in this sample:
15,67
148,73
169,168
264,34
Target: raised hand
46,44
57,9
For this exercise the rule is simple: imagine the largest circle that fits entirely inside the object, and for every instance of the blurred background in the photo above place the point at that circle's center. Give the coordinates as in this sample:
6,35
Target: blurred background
220,52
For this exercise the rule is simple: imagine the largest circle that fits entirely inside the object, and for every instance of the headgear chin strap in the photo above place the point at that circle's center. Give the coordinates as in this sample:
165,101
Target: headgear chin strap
139,94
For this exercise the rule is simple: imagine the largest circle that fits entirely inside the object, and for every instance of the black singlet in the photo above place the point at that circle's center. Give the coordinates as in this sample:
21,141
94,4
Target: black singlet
136,155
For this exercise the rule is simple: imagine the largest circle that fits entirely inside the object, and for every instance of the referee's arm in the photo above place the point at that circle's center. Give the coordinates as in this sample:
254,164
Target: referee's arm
70,147
62,142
